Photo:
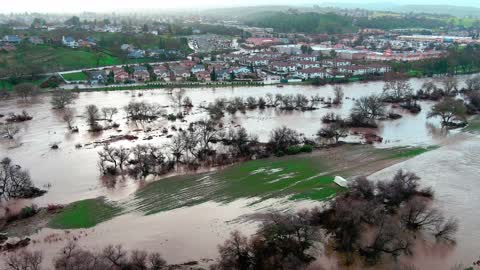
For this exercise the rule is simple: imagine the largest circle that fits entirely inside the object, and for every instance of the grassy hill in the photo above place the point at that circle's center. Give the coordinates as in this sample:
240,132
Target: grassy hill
28,59
308,22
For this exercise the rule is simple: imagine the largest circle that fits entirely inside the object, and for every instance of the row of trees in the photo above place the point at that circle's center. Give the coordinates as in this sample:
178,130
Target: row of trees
73,257
281,101
369,220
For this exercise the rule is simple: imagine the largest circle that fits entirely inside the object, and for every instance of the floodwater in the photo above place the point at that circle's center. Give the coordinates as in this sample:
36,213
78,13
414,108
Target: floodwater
71,174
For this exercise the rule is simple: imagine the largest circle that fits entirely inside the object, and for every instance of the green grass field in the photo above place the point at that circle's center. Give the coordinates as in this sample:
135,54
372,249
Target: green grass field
5,84
47,59
77,76
302,177
84,214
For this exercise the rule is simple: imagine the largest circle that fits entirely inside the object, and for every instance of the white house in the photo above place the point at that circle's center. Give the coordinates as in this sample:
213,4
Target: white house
69,42
311,73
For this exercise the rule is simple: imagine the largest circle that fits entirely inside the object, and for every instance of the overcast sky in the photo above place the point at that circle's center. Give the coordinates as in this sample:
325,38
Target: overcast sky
125,5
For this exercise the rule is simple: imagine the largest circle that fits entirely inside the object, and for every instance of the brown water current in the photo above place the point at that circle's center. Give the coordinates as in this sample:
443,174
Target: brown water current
192,233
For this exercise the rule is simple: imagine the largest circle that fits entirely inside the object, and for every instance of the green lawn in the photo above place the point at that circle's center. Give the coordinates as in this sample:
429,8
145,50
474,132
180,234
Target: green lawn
301,177
77,76
473,125
84,214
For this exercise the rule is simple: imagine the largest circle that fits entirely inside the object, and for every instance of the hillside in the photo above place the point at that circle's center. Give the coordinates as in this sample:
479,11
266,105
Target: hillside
308,22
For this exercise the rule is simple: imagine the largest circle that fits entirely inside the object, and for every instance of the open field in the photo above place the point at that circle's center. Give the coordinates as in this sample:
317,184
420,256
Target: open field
84,214
76,76
302,177
44,58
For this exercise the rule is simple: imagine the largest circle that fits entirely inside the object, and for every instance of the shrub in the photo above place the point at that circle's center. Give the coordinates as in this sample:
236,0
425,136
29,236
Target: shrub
28,211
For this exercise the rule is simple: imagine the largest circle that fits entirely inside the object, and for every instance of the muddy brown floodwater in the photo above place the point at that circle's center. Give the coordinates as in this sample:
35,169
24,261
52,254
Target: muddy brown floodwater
71,174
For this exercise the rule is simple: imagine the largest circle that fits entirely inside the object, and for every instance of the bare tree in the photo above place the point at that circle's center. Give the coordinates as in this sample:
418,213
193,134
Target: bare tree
177,97
109,112
446,231
24,260
25,90
473,83
115,256
417,215
69,117
450,85
15,182
206,132
300,101
338,94
428,88
388,239
92,114
369,107
62,98
234,253
282,138
449,110
9,130
397,90
335,130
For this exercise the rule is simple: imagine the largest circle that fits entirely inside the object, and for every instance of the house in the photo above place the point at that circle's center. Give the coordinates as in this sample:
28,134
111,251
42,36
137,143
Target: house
89,42
308,64
140,73
127,47
97,77
335,62
156,53
231,57
354,70
311,73
198,68
120,75
377,68
13,39
283,67
255,61
222,74
36,40
135,54
239,70
203,76
304,57
161,72
69,42
179,72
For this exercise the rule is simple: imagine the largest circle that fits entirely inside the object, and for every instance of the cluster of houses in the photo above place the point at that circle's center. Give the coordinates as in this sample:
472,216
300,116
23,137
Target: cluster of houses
178,71
305,66
71,42
8,42
137,53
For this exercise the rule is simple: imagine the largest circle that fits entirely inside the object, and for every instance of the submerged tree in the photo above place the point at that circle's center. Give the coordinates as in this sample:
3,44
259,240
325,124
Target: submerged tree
15,182
449,110
62,98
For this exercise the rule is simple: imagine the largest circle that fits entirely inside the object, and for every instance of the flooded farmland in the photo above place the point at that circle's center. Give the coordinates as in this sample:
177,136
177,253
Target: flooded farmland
71,173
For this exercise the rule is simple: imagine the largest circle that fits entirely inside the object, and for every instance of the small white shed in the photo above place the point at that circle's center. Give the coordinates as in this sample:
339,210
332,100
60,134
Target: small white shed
341,181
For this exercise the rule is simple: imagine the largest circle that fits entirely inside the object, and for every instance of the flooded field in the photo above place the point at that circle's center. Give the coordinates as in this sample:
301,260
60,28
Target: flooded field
192,229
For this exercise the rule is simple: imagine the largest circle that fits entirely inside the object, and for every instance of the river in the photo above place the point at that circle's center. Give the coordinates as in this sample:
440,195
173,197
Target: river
71,173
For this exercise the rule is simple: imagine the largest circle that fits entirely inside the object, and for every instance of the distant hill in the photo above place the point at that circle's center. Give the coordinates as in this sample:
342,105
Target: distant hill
457,11
308,22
